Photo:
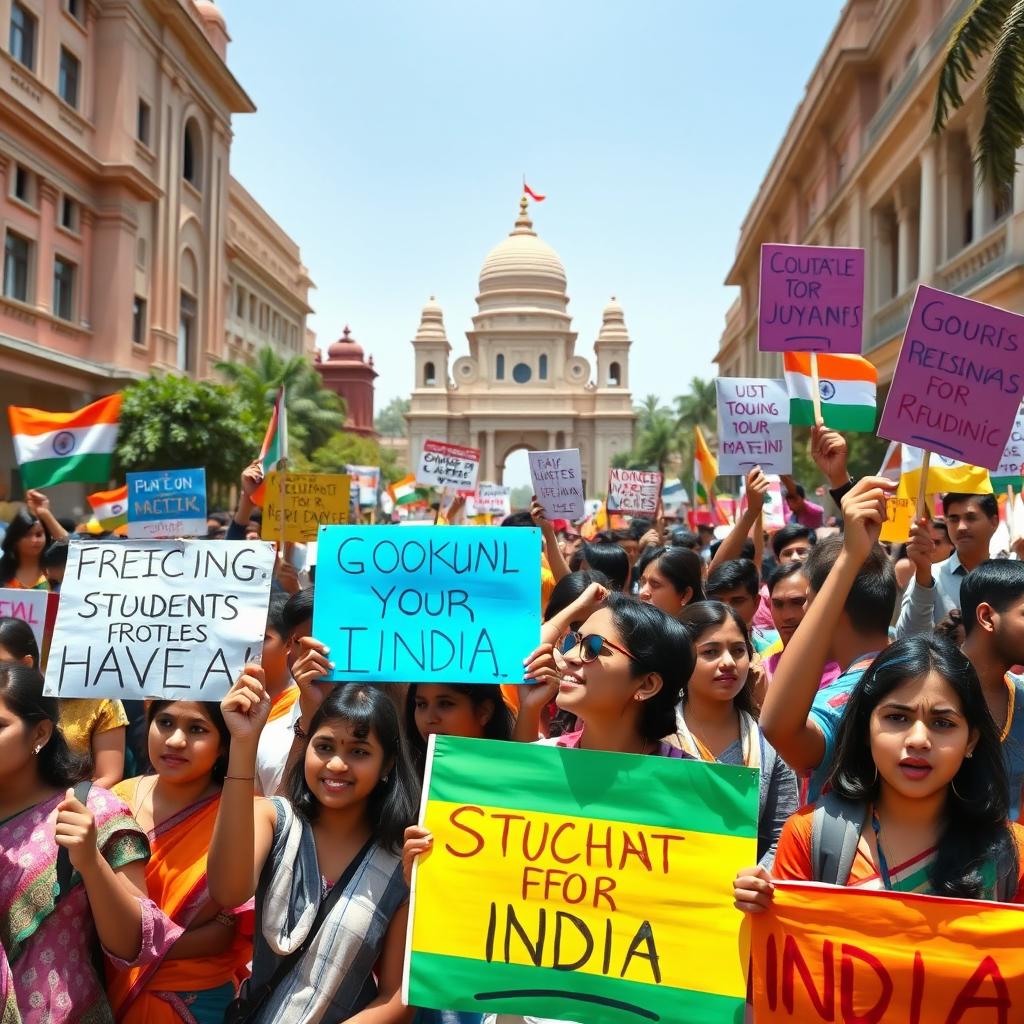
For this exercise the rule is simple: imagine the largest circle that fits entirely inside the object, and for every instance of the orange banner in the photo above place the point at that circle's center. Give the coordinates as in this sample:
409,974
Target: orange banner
850,955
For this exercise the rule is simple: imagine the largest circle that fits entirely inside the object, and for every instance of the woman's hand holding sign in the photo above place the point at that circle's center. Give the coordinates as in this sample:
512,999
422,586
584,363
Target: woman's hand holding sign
311,666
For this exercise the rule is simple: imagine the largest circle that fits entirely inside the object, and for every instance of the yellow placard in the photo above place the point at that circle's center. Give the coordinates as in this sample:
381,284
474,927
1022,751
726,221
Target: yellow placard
899,515
311,500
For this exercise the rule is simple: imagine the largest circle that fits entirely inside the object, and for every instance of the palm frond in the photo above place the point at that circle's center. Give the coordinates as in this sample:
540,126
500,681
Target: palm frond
1002,131
976,34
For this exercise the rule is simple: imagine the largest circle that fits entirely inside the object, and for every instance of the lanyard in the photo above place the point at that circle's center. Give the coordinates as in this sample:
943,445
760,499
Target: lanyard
883,864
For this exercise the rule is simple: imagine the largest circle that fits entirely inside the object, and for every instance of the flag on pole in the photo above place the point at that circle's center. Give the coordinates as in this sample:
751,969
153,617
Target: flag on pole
945,475
705,468
275,443
892,464
846,385
533,195
403,492
110,508
55,447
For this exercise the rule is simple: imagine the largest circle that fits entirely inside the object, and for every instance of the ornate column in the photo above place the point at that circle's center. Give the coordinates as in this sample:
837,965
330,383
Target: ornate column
928,223
48,195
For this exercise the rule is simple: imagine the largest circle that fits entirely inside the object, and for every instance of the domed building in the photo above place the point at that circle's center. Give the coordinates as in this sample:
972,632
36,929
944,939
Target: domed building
523,385
349,374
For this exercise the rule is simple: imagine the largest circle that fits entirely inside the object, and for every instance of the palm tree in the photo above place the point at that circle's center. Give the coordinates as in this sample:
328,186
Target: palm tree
657,441
699,408
993,27
648,411
314,412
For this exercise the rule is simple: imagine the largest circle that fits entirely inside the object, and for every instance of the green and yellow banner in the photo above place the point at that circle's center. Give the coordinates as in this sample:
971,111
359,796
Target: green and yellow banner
580,885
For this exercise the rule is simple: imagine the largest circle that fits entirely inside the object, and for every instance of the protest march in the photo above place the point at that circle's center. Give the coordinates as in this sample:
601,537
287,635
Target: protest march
531,695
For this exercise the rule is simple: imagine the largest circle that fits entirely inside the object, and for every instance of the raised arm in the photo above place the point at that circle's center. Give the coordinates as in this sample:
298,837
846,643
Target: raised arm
39,505
917,612
556,560
732,546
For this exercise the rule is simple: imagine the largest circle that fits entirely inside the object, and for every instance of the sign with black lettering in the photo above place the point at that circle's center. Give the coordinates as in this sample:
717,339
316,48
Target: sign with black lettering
428,603
169,619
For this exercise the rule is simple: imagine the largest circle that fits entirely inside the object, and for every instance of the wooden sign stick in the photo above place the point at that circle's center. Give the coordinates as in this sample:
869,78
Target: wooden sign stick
922,491
816,390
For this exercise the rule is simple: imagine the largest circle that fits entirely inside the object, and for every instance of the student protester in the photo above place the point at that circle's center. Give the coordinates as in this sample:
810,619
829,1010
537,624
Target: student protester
54,563
792,543
971,522
670,578
609,559
802,511
18,643
917,786
850,598
29,533
195,980
325,864
717,718
72,865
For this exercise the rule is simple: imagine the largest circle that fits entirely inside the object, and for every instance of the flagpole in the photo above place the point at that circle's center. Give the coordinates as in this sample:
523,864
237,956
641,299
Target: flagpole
816,390
1009,511
922,491
282,470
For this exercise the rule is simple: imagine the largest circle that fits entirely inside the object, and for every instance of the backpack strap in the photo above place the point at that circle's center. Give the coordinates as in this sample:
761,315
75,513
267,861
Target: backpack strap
64,868
836,825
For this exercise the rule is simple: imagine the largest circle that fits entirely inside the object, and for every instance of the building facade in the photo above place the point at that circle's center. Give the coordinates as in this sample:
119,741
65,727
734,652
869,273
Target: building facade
350,374
859,166
128,247
522,385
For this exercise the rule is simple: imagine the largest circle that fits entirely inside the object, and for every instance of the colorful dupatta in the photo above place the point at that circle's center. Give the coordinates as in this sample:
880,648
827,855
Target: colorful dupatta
168,991
283,703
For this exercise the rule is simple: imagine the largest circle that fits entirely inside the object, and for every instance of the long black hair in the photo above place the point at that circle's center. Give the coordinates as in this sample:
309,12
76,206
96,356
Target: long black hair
697,619
975,836
609,559
497,727
570,588
683,568
17,638
21,522
21,690
392,805
213,713
658,643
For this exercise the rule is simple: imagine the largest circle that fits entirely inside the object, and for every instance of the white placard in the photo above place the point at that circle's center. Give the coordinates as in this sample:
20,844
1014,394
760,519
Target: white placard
634,492
490,500
753,426
557,479
27,605
448,466
162,618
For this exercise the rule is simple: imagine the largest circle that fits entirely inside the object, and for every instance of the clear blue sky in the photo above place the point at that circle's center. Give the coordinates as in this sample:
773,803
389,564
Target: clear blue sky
390,139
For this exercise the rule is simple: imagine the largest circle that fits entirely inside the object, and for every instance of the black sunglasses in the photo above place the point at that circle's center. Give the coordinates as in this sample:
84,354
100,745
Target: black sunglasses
590,646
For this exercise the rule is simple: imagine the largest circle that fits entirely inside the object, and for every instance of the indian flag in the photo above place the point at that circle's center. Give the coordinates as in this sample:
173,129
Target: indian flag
275,443
110,508
403,492
846,385
56,447
705,468
945,475
892,464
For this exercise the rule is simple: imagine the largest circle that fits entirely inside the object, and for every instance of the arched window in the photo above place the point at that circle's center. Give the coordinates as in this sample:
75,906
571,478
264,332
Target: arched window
499,368
614,375
429,375
542,367
192,154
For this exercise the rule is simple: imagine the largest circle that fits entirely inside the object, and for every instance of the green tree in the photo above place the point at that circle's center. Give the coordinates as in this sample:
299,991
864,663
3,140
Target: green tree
698,408
315,413
348,449
996,28
178,423
390,421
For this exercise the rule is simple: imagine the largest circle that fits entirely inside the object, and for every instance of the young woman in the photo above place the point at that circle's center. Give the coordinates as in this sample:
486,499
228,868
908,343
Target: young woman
717,720
473,711
195,981
918,753
325,864
28,535
671,579
40,815
18,643
608,559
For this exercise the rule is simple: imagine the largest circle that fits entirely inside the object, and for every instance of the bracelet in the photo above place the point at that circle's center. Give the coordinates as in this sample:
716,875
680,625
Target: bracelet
226,919
240,778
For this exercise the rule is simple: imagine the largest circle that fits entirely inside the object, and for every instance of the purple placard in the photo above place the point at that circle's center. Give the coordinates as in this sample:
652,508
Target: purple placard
959,378
812,299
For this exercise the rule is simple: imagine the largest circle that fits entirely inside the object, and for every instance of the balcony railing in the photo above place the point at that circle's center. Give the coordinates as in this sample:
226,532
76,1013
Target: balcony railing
978,261
890,319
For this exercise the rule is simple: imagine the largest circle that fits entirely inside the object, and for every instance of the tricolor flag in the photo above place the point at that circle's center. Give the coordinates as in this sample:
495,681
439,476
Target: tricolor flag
55,447
945,475
846,385
892,464
275,443
110,508
705,468
403,492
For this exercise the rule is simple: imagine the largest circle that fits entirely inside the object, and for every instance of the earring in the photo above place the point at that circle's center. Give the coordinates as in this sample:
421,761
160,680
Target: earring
952,786
383,778
38,748
636,696
971,754
875,779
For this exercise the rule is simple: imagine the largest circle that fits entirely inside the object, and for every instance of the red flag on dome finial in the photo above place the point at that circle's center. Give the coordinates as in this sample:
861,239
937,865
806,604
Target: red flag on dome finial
533,195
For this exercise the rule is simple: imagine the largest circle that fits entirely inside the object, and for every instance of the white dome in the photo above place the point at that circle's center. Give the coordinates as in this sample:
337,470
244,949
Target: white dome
522,262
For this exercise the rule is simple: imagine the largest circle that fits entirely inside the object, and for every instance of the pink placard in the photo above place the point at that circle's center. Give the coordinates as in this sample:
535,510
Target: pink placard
633,492
812,299
959,379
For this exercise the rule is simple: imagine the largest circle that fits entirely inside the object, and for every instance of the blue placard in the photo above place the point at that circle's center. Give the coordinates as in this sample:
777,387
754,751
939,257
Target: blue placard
167,503
427,604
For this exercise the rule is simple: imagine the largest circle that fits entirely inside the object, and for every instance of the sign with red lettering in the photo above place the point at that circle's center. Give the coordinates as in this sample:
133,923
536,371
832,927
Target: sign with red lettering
812,299
959,379
445,465
633,492
837,954
36,608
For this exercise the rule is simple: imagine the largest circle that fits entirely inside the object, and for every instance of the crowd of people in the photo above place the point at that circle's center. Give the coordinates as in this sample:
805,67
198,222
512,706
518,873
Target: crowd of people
179,861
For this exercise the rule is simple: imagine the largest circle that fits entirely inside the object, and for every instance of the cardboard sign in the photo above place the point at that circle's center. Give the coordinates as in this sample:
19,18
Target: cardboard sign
32,607
1009,471
557,479
775,511
959,379
753,426
634,492
311,500
429,603
812,299
580,885
490,500
365,484
448,465
899,517
166,504
158,618
831,954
